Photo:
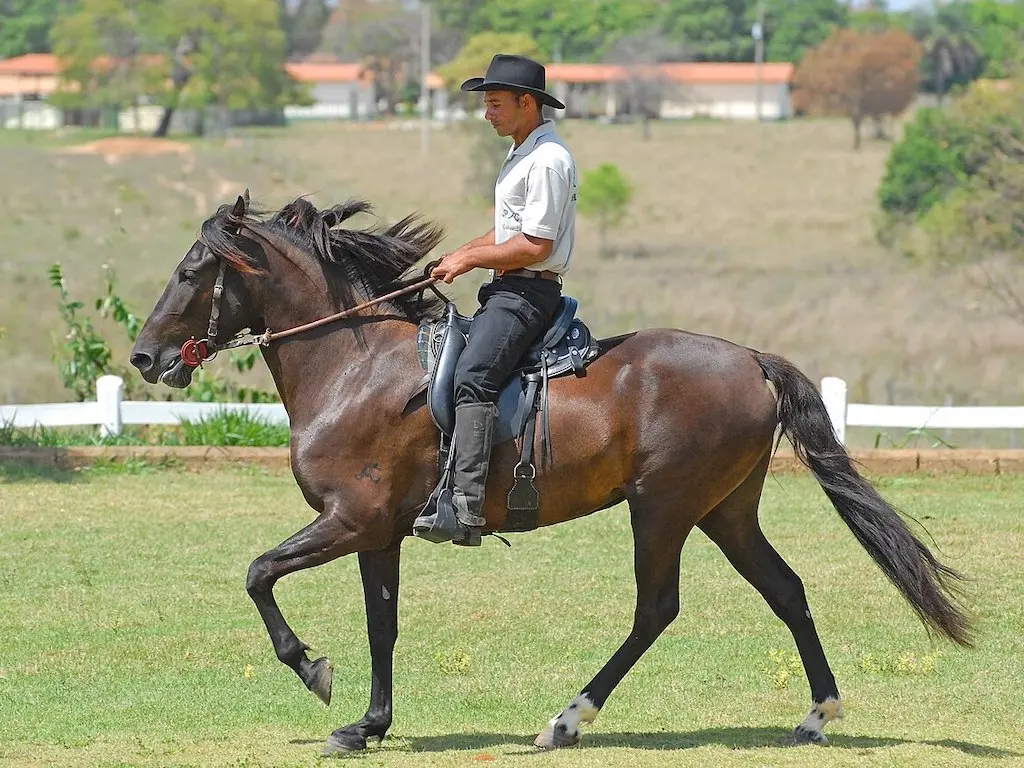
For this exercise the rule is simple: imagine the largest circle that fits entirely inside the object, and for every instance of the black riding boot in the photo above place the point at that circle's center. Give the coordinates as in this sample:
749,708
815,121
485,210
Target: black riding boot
459,514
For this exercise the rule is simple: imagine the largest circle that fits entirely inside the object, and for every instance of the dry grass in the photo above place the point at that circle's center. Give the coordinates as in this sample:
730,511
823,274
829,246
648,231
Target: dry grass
758,233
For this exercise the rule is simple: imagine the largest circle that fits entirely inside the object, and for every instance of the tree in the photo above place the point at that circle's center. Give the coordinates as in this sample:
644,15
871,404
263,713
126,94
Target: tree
645,84
713,30
953,191
478,51
793,26
303,22
383,36
25,25
225,54
951,51
569,30
858,75
103,48
998,28
605,195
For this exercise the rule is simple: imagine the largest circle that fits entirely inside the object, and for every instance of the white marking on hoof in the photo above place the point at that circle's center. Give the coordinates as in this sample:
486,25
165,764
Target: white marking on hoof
811,727
564,728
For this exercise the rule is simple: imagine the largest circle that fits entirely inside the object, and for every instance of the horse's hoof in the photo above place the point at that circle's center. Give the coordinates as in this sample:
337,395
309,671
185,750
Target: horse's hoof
321,678
803,735
554,737
342,742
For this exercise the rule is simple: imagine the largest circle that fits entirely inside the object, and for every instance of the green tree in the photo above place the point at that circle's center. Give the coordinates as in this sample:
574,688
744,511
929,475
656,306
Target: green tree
25,25
222,54
239,52
924,165
384,36
303,22
793,26
953,190
713,30
999,30
104,47
569,30
478,51
605,195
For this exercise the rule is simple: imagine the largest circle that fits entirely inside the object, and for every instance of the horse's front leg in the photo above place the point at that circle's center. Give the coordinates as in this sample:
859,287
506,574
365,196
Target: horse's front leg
327,538
379,572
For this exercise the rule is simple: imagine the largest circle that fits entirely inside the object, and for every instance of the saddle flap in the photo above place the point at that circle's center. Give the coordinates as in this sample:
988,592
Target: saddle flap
441,386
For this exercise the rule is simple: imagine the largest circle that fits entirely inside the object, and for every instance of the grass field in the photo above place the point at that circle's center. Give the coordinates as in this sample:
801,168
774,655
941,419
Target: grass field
758,233
127,638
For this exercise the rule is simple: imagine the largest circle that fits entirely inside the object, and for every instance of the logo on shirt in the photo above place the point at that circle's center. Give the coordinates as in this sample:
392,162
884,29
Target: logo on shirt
509,216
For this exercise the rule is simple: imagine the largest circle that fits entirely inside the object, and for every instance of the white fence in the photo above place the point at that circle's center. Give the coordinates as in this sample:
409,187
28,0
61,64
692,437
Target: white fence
111,412
924,417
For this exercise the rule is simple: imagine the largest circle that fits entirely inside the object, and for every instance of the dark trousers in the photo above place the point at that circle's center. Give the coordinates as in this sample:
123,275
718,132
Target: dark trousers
514,312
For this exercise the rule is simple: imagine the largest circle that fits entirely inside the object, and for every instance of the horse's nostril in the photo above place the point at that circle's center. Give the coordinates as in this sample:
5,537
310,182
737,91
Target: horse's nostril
142,361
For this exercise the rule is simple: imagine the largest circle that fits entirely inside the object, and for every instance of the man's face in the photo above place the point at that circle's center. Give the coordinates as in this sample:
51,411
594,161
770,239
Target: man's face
506,111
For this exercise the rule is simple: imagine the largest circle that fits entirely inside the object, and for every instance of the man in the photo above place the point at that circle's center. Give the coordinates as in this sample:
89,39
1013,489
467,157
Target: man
528,251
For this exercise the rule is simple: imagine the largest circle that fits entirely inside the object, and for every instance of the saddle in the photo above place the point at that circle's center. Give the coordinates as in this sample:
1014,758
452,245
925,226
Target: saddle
566,347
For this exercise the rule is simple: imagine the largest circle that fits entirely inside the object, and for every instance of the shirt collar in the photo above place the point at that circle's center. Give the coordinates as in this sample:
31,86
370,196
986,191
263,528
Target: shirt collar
546,127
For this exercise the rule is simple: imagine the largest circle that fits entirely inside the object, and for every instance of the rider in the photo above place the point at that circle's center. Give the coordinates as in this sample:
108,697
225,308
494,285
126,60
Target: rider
528,251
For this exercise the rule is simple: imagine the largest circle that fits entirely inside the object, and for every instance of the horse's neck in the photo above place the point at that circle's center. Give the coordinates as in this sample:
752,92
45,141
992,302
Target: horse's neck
322,369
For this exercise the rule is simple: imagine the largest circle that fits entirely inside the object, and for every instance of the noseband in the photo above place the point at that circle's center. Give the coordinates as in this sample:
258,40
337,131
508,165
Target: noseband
195,352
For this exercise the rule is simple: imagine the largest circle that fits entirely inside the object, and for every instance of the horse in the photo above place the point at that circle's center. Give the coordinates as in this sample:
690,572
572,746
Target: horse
680,426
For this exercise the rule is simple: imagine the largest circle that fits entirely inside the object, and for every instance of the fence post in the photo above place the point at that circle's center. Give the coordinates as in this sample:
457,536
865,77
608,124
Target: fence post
109,394
833,392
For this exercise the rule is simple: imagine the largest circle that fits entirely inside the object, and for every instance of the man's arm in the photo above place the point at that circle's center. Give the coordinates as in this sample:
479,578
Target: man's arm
487,239
518,252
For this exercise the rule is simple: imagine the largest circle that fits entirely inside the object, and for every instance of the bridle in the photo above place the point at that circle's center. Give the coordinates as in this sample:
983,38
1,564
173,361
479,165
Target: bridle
195,352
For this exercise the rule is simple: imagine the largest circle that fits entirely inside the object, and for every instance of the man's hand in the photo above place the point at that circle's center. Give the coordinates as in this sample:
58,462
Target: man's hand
453,264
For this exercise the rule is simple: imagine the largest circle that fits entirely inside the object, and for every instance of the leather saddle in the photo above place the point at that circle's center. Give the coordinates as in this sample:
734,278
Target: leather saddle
566,347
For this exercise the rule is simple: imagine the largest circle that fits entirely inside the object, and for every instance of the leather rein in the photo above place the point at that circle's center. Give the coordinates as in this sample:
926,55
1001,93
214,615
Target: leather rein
195,352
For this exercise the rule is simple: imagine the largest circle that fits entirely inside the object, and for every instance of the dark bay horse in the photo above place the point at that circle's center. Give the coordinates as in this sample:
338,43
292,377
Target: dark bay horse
680,426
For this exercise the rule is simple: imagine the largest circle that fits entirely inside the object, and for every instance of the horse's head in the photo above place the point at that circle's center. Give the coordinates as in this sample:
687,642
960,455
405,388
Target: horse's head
312,264
188,303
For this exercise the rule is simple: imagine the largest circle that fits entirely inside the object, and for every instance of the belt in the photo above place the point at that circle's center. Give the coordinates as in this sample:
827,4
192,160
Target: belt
547,274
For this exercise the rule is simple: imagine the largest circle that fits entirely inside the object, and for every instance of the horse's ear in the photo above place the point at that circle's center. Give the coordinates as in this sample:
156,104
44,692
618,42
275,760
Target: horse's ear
238,210
245,196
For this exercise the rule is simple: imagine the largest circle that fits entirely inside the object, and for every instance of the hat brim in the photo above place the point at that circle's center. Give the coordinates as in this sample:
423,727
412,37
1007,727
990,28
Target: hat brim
482,84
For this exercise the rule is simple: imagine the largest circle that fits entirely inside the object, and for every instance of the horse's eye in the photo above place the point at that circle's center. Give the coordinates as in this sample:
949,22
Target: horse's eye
189,274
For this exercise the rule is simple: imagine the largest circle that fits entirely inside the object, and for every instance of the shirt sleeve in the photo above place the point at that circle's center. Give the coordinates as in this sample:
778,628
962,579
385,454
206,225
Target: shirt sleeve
547,191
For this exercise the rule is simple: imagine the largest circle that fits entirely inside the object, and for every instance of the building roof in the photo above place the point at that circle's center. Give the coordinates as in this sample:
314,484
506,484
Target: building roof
584,73
304,71
30,64
326,72
727,72
691,73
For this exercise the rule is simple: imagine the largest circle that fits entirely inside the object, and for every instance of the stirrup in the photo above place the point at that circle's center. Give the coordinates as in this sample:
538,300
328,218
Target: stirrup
443,525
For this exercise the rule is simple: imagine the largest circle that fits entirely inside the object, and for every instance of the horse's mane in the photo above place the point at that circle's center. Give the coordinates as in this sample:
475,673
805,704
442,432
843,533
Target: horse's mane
366,263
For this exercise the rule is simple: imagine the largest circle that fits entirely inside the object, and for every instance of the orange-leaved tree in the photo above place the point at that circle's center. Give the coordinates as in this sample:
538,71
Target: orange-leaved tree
858,75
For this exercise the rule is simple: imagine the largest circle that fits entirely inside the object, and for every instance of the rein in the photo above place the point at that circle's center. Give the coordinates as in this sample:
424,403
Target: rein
195,352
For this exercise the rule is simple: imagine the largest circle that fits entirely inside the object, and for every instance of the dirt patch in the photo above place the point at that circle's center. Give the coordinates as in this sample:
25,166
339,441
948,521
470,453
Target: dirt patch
115,148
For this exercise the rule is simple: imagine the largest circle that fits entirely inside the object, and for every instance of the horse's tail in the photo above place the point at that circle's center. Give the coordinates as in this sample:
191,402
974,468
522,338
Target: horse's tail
931,588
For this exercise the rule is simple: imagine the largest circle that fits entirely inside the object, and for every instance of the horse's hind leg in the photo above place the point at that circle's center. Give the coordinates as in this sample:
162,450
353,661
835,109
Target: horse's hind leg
658,543
733,526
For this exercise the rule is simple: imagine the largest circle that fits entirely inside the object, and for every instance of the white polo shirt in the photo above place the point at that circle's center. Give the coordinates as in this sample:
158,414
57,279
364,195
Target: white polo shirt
536,194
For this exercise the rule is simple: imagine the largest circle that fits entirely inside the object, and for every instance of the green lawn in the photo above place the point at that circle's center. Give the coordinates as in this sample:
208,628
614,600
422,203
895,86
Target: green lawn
127,638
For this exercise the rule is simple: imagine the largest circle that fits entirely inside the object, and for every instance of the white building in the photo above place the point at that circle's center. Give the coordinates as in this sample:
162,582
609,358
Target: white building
727,91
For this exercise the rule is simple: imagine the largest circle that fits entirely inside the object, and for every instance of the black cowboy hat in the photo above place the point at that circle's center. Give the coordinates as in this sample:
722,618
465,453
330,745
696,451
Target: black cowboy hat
514,73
